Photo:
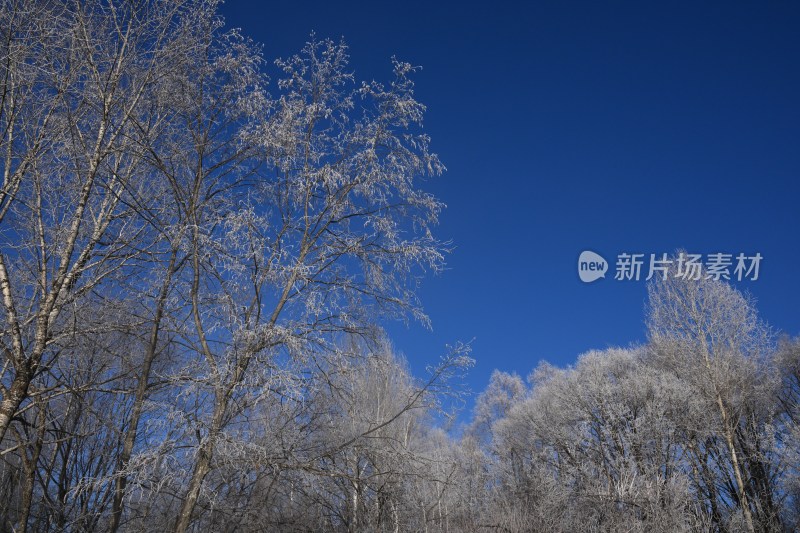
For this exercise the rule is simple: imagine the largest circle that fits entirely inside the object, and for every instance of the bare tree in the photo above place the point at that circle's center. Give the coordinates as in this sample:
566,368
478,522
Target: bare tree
194,272
323,242
592,447
710,335
788,362
76,79
369,463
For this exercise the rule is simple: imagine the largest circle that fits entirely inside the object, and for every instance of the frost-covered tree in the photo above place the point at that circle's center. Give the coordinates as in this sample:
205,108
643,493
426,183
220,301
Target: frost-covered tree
593,447
230,237
788,421
326,237
709,335
680,434
197,248
76,79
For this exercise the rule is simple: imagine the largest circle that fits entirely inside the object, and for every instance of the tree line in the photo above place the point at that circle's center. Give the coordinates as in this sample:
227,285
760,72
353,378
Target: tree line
196,249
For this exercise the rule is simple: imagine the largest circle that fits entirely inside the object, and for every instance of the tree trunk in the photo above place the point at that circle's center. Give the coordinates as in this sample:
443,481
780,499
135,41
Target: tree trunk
29,466
203,465
740,488
18,392
141,395
201,469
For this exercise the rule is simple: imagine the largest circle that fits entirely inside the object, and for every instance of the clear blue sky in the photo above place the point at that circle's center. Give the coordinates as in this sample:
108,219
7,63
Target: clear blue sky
611,126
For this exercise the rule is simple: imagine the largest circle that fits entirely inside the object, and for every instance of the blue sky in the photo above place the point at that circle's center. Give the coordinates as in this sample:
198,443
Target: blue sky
565,126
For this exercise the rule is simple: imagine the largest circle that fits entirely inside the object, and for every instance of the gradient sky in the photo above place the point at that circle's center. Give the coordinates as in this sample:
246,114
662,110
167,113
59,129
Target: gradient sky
610,126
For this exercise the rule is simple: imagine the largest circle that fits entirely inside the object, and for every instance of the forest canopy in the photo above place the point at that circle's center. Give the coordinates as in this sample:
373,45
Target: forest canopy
198,249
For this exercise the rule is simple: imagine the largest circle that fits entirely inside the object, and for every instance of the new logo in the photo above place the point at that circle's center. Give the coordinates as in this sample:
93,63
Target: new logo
591,266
